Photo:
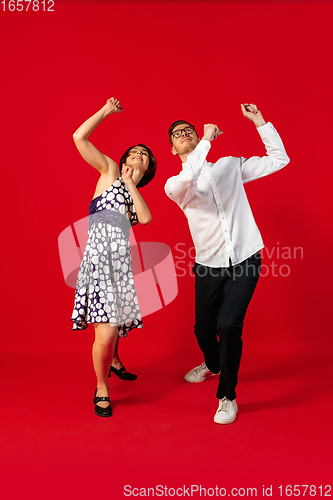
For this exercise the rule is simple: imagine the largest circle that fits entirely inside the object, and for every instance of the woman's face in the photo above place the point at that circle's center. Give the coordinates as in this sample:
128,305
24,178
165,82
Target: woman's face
138,158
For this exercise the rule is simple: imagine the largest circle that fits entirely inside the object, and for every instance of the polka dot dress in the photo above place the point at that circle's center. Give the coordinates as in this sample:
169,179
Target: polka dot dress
105,291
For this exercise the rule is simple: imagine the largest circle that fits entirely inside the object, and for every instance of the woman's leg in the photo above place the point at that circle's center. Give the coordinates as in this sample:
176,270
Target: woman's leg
106,337
116,363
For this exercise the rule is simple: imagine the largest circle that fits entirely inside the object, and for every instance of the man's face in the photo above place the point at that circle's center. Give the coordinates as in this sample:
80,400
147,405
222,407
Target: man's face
186,139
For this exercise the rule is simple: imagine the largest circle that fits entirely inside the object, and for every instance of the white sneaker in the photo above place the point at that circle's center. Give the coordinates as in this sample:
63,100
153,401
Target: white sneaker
226,412
199,374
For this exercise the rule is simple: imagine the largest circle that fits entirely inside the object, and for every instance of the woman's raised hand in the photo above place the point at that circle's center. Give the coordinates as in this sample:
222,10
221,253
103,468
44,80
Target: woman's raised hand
113,105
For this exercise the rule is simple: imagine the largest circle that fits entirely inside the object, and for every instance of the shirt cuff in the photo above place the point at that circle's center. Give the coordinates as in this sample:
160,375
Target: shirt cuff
203,146
266,130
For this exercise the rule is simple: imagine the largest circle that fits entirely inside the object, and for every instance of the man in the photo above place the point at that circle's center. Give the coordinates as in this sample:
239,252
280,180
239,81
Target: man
227,242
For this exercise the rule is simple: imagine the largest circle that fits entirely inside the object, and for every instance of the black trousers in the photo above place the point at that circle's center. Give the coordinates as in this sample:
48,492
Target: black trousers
222,296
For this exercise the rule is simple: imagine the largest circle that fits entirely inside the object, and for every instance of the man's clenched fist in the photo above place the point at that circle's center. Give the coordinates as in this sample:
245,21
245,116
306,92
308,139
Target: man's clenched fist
251,112
211,132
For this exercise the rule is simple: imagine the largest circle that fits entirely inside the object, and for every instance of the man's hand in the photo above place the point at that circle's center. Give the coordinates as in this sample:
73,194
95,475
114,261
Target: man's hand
251,112
113,105
211,132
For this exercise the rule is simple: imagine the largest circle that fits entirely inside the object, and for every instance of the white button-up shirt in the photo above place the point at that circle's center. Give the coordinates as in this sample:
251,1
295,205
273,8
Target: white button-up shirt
214,201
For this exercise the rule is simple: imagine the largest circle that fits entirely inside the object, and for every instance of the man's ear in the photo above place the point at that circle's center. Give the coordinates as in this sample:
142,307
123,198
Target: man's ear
173,151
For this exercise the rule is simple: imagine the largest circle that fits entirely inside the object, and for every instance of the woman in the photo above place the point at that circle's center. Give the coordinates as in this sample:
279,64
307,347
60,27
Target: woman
105,292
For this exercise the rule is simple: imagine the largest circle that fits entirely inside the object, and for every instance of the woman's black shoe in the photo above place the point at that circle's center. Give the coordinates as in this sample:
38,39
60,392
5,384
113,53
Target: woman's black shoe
122,373
102,412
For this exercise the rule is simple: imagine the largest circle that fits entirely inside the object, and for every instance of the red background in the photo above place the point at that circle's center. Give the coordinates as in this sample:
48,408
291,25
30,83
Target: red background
164,62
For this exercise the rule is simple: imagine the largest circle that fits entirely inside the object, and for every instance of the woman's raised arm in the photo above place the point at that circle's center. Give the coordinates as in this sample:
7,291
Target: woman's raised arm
89,153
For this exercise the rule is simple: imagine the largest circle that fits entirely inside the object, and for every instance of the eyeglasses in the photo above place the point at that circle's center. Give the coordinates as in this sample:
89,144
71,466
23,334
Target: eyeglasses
178,133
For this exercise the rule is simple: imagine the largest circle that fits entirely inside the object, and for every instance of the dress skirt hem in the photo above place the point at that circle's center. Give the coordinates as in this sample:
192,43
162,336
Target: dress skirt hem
122,329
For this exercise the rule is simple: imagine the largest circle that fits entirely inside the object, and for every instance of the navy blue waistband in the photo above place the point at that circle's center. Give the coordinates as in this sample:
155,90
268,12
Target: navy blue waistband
112,217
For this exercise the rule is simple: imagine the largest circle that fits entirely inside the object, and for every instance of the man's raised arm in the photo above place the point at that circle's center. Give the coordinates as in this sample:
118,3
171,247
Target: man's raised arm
256,167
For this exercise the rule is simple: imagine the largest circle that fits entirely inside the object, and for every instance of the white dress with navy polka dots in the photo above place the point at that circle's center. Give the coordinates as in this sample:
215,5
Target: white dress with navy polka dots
105,291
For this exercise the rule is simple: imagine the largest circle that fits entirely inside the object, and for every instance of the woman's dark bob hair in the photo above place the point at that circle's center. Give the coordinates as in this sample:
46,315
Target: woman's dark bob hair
150,173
